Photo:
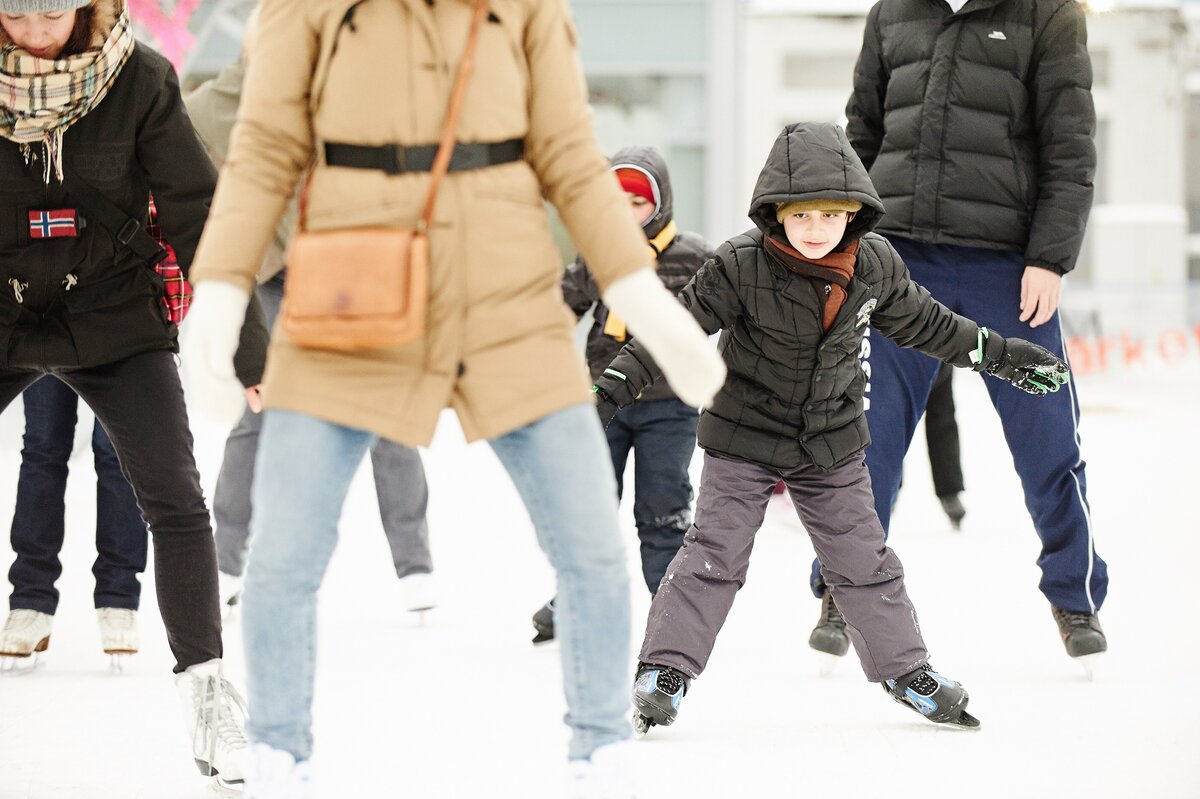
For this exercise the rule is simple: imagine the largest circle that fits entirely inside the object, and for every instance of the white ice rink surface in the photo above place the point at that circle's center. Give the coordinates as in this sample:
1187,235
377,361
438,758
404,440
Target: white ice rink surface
464,706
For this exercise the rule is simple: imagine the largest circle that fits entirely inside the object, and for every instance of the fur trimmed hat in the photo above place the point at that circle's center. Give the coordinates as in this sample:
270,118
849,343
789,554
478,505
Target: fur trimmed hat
784,210
40,6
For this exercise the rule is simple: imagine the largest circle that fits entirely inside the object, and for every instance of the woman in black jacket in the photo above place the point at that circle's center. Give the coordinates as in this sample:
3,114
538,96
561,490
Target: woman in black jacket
90,124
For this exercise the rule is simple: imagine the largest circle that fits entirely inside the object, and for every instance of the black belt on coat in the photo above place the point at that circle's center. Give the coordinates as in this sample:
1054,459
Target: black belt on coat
395,159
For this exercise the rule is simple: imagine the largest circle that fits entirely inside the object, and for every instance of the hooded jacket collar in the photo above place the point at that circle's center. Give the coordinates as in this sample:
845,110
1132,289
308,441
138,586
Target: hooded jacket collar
650,162
812,161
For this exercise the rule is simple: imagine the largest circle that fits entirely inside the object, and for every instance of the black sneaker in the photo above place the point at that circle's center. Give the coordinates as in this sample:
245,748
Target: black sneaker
954,509
937,698
1080,631
829,635
543,623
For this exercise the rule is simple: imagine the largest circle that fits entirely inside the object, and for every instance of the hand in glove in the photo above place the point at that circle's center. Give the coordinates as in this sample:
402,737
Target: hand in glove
606,406
210,339
691,365
1027,366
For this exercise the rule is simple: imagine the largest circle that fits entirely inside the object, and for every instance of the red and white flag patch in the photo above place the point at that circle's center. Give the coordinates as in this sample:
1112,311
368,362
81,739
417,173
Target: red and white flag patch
58,223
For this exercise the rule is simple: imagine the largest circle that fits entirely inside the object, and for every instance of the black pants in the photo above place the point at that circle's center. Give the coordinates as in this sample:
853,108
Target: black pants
941,436
139,401
662,435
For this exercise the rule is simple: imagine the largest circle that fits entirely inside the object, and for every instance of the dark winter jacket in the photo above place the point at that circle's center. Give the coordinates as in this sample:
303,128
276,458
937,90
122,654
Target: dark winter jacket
793,394
88,301
678,261
977,126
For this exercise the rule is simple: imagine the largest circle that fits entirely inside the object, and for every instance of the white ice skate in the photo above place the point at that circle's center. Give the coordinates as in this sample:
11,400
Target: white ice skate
25,634
214,715
607,775
419,592
118,634
275,774
229,589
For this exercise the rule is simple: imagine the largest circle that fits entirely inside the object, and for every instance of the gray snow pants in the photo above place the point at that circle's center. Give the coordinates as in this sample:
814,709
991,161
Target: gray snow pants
399,485
837,508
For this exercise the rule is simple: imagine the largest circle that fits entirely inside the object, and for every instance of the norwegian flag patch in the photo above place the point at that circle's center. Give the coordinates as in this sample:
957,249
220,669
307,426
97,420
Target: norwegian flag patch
53,224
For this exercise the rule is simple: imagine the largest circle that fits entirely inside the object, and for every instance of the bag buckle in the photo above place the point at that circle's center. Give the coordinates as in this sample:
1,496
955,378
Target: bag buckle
128,231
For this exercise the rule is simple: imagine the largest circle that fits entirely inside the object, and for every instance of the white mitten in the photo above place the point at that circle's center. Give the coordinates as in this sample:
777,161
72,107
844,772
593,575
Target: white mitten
691,365
210,337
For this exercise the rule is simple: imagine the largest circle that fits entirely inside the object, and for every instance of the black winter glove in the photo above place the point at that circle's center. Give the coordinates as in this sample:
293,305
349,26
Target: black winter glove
1027,366
606,406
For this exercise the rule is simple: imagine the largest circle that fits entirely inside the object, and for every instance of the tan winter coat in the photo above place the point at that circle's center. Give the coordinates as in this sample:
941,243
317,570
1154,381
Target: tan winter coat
499,347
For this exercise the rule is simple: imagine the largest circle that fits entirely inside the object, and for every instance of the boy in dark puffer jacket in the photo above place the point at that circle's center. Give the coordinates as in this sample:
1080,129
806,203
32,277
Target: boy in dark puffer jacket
659,428
793,299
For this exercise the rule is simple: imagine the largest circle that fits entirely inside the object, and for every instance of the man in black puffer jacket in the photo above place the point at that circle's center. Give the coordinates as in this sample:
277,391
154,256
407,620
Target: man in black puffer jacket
659,428
976,121
793,299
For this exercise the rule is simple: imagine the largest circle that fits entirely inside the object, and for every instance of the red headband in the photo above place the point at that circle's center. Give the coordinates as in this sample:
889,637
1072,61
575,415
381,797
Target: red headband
636,182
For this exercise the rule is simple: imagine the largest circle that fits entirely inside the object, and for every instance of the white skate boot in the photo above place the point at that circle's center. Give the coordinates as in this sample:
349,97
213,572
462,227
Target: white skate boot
214,714
419,592
275,774
118,634
607,775
229,588
26,632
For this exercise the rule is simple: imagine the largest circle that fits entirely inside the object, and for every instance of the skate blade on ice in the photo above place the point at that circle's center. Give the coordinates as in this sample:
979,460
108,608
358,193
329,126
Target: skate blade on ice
642,724
117,660
1090,664
16,665
23,662
219,787
963,721
826,663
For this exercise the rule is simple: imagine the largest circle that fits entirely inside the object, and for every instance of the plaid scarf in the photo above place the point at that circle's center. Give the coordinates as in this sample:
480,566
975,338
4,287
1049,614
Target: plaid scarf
41,98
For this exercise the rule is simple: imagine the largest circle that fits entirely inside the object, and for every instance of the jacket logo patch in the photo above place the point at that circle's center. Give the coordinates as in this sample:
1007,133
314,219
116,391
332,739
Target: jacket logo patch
998,35
864,313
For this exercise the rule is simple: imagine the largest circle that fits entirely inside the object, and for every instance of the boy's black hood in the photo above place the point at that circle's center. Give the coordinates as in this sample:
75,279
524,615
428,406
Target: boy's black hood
650,161
811,161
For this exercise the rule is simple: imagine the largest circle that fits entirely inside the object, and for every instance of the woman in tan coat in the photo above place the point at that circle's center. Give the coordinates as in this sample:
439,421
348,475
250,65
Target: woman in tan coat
362,87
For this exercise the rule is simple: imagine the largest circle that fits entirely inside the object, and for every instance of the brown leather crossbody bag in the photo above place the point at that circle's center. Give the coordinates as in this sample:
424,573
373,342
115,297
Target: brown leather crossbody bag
368,287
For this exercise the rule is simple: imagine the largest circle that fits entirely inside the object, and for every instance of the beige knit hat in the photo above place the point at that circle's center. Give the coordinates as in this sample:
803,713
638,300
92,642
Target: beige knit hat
40,6
784,210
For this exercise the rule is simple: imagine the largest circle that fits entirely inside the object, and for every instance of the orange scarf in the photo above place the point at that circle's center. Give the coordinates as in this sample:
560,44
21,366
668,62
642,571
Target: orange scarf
830,275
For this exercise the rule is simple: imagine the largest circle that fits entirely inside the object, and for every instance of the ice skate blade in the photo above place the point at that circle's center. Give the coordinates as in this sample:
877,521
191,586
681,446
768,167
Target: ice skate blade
963,721
826,663
118,659
16,665
218,787
541,639
1090,664
642,724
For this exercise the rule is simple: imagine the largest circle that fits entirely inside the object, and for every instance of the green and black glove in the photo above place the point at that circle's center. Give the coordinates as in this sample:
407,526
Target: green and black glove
1027,366
606,406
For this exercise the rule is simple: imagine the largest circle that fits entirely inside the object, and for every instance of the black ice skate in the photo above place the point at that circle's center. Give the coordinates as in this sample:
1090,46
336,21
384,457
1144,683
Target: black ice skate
1081,635
954,509
657,692
829,635
543,623
937,698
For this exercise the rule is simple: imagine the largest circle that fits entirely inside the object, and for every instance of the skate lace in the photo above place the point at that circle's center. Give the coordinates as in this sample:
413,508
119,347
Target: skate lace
924,684
832,614
669,680
21,620
214,699
1074,619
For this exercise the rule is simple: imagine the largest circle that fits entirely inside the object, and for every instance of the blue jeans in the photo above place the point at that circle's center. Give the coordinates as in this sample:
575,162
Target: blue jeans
38,525
561,468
